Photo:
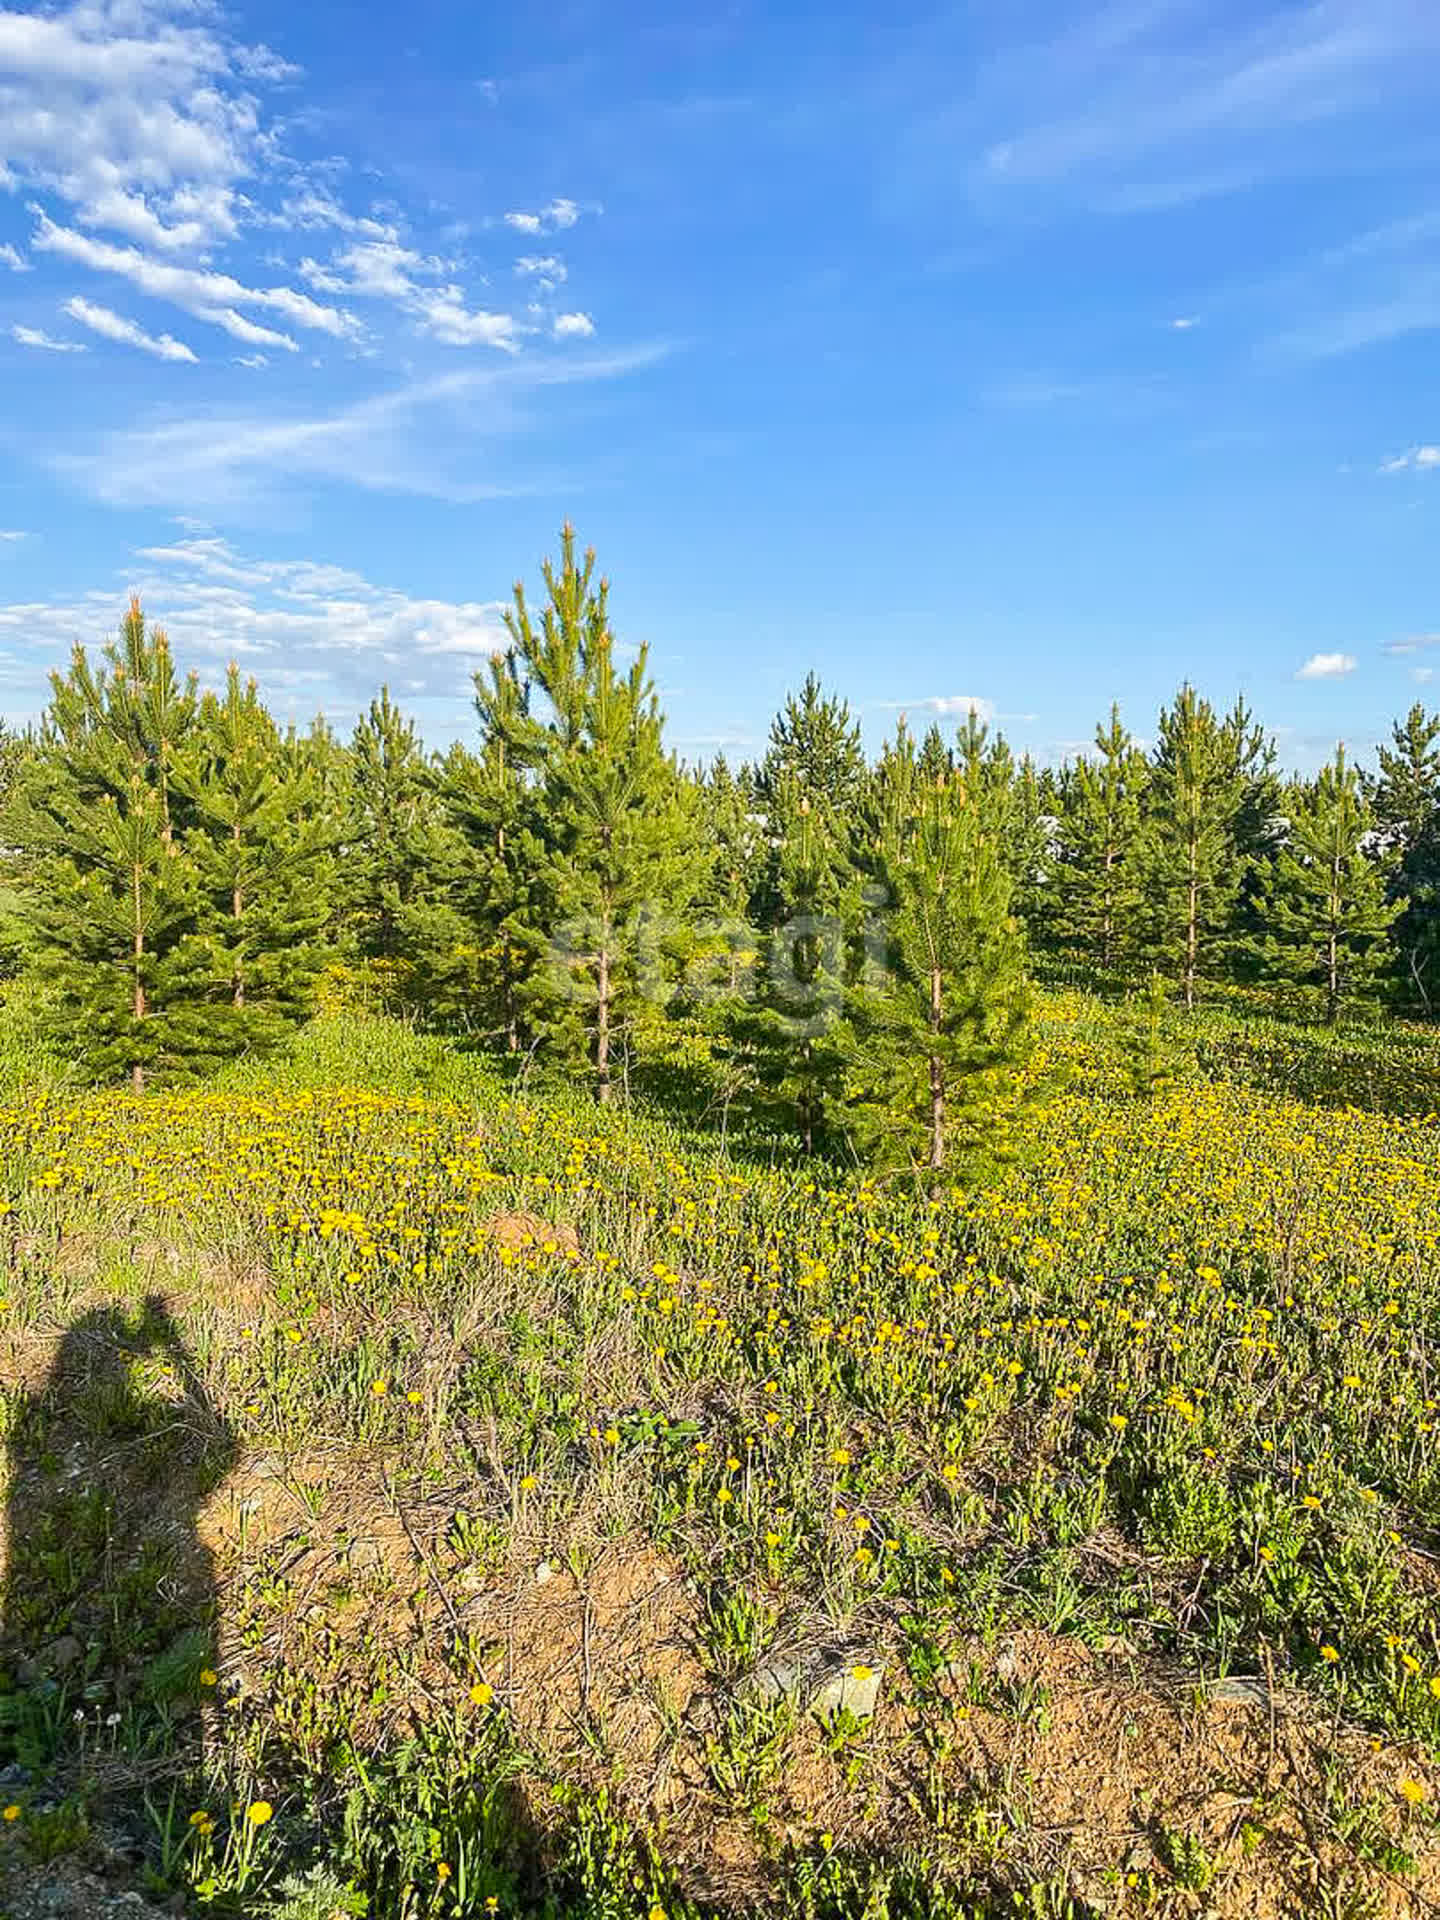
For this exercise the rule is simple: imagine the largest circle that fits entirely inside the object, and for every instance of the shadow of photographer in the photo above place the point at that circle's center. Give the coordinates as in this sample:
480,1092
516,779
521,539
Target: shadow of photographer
108,1625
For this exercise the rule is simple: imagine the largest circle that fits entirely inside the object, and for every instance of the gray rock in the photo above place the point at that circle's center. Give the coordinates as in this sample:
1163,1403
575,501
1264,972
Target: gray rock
851,1689
1237,1687
786,1677
62,1654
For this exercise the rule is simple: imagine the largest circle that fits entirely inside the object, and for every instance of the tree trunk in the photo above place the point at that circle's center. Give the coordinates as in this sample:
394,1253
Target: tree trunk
237,910
1107,910
1332,949
937,1083
1192,933
602,1024
137,1071
1332,980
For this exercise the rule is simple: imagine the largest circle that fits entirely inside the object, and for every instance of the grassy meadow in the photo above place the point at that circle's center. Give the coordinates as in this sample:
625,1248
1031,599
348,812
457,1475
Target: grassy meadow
430,1495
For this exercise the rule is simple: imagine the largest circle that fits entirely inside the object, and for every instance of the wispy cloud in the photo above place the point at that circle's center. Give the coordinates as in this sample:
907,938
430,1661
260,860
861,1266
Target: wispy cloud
37,337
12,534
438,437
1174,100
12,258
113,326
573,326
1327,666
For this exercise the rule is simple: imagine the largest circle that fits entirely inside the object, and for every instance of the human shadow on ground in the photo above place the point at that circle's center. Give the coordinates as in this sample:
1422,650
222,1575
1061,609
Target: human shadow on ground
108,1624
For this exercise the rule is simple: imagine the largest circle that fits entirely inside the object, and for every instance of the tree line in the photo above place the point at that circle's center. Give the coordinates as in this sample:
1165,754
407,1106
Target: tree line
839,948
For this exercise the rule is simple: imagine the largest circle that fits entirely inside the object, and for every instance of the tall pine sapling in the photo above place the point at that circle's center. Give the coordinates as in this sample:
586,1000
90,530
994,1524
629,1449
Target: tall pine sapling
261,844
1406,800
621,856
937,1047
1190,864
1097,838
110,894
1325,904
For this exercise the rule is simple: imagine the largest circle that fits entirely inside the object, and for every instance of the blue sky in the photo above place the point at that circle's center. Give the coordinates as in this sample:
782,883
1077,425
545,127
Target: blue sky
1021,352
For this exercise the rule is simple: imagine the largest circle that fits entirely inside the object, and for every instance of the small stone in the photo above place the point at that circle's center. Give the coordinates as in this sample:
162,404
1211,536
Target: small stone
544,1574
783,1678
853,1689
1240,1689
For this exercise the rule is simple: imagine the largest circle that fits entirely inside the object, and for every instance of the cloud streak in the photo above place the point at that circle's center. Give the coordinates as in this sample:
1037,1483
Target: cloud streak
112,326
1176,111
37,338
200,291
438,438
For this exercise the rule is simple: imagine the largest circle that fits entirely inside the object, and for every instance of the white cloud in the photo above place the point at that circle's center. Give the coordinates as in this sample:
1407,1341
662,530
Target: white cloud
123,108
199,290
1417,459
547,266
252,360
239,328
114,327
443,314
552,219
262,63
12,257
1327,666
1422,675
311,633
12,534
37,337
1183,322
138,130
573,326
946,704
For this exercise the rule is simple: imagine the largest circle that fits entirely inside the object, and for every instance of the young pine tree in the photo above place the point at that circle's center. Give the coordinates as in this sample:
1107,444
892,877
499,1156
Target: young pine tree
1014,801
261,848
1190,865
814,755
492,797
1097,838
405,863
789,1034
1406,802
112,899
1325,904
937,1045
622,854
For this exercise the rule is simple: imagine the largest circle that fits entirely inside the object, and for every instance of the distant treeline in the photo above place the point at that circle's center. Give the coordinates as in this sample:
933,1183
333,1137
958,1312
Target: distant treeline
838,944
